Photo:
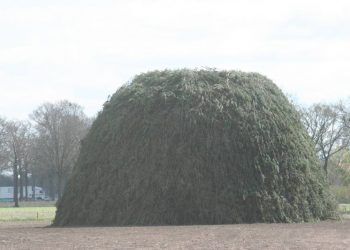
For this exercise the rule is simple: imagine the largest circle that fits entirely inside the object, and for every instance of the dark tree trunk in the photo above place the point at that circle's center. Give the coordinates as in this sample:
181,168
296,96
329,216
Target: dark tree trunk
52,186
325,165
26,181
59,186
15,183
20,182
33,187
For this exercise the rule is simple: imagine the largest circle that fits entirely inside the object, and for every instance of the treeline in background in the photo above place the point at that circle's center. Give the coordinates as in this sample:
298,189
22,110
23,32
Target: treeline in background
329,127
42,150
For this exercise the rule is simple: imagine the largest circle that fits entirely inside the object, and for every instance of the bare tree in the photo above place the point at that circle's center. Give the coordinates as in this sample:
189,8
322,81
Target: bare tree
13,150
26,159
328,127
59,127
2,142
345,112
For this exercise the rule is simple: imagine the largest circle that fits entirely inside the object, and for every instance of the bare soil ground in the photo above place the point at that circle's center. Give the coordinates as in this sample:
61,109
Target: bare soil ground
35,235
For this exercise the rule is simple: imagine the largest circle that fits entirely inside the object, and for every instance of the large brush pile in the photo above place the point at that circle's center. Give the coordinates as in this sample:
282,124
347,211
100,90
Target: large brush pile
196,147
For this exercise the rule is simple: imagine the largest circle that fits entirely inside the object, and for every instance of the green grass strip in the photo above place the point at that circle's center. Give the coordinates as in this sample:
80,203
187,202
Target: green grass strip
27,213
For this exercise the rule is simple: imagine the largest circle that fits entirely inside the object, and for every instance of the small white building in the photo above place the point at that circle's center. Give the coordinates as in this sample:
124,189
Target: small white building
6,193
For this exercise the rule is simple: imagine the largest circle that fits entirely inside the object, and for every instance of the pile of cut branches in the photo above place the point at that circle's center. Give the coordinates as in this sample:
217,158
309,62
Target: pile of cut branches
179,147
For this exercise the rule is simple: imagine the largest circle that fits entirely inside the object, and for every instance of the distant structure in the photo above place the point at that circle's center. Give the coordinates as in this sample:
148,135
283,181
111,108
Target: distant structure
196,147
6,193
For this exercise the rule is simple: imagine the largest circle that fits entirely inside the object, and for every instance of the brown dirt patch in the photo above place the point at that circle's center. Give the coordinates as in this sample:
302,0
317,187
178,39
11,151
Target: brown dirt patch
34,235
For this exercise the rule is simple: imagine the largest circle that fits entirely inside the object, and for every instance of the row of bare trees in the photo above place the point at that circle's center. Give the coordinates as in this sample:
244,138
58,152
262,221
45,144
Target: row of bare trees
43,149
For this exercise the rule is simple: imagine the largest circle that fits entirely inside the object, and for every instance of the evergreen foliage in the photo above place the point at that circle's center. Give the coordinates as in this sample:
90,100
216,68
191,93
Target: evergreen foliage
196,147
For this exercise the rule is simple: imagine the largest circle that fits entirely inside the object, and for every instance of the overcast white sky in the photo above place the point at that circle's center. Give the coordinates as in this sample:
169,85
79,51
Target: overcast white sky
84,50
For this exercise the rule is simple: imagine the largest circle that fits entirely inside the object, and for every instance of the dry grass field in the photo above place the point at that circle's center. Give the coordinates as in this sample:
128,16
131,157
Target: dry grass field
28,227
36,235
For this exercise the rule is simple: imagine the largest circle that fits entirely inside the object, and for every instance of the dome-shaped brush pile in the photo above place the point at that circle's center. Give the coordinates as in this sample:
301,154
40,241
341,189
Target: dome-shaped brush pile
196,147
